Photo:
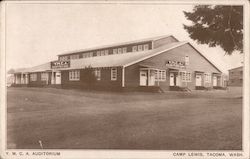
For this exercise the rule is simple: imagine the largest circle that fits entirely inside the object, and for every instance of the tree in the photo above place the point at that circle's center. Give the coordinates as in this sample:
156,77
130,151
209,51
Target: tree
217,26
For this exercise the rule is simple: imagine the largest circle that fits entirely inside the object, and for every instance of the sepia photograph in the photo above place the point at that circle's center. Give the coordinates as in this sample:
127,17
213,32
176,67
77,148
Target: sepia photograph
123,79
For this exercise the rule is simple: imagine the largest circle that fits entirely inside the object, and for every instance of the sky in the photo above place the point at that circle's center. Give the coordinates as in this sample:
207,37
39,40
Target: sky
37,33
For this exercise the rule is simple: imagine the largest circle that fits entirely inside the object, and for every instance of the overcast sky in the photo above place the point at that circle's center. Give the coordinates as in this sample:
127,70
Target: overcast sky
37,33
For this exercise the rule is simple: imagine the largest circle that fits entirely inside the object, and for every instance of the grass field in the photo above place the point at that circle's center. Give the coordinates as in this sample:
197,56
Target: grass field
75,119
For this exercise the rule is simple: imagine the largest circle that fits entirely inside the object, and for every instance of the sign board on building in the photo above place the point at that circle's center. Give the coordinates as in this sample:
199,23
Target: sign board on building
60,64
178,64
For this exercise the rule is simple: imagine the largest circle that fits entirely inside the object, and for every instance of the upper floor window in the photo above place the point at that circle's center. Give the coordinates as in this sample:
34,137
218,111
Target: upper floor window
106,52
33,77
44,76
74,75
113,74
114,51
98,74
145,47
102,53
63,58
119,50
87,54
139,47
72,57
124,50
134,48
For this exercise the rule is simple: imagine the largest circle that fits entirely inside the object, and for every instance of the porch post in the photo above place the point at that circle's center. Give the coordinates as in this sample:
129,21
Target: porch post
158,82
148,76
123,77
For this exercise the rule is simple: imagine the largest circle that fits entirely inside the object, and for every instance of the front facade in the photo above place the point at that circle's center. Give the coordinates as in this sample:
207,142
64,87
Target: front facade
236,76
151,64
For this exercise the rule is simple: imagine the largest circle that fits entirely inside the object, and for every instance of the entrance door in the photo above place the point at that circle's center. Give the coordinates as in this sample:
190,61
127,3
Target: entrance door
151,78
143,78
172,79
58,77
198,80
214,81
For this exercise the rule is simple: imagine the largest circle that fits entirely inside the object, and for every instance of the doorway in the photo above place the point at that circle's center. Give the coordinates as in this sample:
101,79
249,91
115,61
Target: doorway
198,80
174,79
215,81
143,78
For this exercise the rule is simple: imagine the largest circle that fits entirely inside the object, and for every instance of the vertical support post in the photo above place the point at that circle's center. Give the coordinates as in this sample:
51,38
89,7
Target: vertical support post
123,76
52,77
158,73
148,76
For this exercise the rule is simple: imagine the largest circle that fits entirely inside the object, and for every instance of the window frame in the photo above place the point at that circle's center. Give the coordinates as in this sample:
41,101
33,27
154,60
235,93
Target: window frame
140,48
33,77
113,74
44,78
134,48
145,47
74,75
98,74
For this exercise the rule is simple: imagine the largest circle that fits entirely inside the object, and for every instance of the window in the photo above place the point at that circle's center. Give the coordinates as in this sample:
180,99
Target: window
72,57
186,76
124,50
106,52
87,54
114,51
207,77
134,48
98,53
160,75
145,47
139,47
74,75
33,77
113,74
44,76
119,50
98,74
63,58
186,60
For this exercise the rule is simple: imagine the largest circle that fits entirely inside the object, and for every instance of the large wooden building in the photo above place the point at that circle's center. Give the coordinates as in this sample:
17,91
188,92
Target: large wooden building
236,76
161,63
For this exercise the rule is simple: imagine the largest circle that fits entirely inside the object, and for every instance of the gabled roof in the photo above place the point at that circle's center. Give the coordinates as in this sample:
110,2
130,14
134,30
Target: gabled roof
116,60
116,44
235,68
39,68
119,60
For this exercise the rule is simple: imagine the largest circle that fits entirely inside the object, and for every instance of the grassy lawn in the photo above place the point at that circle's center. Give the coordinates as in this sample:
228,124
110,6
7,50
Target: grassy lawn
75,119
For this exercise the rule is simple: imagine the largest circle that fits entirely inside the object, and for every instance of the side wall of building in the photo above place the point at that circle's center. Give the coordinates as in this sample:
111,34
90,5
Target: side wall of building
236,77
196,63
38,82
105,83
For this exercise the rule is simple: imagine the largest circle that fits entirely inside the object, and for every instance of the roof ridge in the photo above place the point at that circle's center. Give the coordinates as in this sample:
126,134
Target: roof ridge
117,44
